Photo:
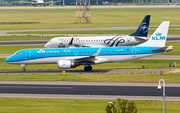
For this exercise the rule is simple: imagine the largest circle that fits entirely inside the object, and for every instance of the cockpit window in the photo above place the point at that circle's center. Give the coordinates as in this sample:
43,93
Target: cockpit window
16,53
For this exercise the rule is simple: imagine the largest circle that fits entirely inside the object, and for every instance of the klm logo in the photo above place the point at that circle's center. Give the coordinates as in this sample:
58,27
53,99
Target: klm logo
158,37
41,51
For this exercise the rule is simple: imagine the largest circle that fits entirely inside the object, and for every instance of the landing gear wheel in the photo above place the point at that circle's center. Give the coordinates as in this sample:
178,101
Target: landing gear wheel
85,68
89,68
24,69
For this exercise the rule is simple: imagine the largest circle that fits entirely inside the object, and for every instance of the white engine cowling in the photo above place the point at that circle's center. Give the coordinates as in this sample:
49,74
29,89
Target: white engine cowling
65,64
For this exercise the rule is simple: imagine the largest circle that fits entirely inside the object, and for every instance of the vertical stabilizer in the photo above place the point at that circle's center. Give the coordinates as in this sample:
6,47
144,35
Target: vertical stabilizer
142,30
158,39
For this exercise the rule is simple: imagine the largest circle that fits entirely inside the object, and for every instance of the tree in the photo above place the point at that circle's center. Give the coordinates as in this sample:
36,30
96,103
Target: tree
122,106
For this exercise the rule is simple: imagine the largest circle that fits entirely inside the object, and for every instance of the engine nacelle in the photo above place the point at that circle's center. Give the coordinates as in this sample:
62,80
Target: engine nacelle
66,64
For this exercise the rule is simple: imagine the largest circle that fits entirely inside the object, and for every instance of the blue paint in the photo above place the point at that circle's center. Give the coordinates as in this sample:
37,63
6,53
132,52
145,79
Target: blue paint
70,52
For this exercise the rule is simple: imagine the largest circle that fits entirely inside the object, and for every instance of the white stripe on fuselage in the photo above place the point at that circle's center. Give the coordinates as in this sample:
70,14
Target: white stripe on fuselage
110,58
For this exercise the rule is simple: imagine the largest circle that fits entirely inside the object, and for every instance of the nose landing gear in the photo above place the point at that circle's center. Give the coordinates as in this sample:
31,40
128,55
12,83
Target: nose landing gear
88,68
24,69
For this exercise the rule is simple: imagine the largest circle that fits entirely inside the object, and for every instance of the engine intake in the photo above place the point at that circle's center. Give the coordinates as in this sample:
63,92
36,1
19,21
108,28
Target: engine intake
66,64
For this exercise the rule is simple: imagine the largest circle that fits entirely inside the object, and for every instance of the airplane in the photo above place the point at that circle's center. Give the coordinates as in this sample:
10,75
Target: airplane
35,3
67,58
39,2
137,37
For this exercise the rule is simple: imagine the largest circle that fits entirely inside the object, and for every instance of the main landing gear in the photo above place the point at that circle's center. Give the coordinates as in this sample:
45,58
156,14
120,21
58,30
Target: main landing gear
24,69
88,68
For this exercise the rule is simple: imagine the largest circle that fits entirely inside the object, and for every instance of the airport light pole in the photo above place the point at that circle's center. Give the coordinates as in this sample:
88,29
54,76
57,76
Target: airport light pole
159,87
112,107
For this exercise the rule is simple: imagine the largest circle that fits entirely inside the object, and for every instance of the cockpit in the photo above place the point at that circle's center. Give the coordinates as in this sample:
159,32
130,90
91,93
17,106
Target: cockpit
16,53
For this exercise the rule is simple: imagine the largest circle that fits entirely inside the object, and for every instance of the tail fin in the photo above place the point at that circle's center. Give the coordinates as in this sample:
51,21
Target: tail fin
142,30
158,39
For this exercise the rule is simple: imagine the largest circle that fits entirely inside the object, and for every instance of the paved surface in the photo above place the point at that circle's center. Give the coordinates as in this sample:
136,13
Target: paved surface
90,96
86,91
34,85
88,83
108,71
72,29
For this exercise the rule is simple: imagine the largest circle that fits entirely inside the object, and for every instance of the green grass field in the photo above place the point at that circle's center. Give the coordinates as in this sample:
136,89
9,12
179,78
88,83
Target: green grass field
12,49
46,105
13,37
99,18
98,77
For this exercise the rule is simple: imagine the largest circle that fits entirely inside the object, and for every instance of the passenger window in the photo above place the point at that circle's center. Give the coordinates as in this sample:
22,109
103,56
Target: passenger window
48,53
88,51
63,52
59,52
56,52
102,51
79,52
41,53
91,51
38,53
106,51
113,51
116,51
71,52
52,52
109,51
84,52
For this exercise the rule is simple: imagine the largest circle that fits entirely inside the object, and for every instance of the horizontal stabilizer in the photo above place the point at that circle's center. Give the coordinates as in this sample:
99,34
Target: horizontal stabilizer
141,38
169,48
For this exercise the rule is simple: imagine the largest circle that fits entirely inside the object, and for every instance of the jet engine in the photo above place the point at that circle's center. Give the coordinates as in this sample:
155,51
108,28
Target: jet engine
66,64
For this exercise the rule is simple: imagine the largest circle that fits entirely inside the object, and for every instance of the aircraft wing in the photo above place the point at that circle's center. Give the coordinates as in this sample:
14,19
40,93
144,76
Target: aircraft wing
89,59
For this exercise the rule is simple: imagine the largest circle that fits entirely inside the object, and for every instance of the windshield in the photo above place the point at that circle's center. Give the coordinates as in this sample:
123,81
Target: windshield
16,53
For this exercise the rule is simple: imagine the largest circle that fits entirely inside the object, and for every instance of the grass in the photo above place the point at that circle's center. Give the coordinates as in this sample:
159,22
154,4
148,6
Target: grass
12,49
91,32
46,105
135,64
99,18
98,77
13,37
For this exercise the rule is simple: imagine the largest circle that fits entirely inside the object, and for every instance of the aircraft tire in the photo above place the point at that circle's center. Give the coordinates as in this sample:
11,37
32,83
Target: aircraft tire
86,68
89,68
24,69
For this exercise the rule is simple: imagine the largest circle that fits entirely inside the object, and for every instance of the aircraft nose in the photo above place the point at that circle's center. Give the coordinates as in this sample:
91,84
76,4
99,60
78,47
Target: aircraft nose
7,60
46,45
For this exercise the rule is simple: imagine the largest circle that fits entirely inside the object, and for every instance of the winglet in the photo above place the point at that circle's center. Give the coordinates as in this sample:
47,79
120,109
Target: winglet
97,53
71,41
